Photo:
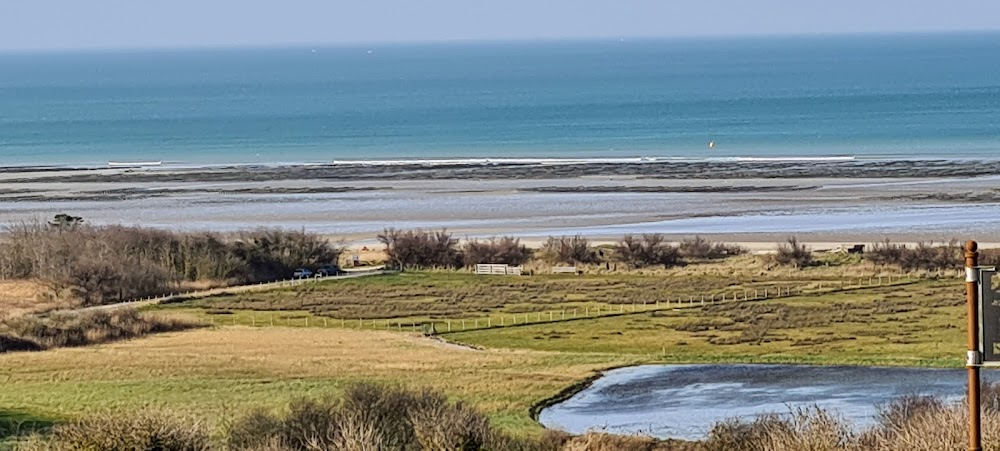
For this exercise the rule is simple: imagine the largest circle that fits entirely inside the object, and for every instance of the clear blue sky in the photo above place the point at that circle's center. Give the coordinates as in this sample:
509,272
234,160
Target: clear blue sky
74,24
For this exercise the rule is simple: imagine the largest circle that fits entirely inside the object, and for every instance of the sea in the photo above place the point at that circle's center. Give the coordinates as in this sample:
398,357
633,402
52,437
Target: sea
923,96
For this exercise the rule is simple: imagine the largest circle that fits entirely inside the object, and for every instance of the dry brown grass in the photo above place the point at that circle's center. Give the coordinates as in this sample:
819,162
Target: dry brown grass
65,329
607,442
219,372
19,297
143,430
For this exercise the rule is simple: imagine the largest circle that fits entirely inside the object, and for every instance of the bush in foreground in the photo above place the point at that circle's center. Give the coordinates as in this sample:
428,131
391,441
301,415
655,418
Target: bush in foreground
137,431
26,333
913,423
371,417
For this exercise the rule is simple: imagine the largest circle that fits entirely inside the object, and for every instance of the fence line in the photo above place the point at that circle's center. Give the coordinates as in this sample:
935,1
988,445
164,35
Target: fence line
261,286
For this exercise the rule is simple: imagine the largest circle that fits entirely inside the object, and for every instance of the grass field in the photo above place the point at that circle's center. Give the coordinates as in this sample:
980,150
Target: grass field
227,370
224,370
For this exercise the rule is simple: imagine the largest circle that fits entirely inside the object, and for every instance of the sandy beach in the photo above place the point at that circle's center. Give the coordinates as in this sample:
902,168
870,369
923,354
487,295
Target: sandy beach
831,203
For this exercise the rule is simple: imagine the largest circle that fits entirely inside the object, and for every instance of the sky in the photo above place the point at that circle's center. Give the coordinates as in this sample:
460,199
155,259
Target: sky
120,24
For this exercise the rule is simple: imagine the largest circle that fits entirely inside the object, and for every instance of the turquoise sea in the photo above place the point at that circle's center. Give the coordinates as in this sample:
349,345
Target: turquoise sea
872,96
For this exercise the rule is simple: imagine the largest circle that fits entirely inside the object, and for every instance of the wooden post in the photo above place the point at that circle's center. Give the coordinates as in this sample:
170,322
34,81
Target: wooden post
974,359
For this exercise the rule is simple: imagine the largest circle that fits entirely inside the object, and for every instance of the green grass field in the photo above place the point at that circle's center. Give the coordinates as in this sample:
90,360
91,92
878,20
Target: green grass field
314,339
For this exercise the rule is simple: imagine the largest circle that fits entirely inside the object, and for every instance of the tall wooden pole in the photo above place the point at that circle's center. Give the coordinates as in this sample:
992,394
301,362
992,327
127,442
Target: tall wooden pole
974,359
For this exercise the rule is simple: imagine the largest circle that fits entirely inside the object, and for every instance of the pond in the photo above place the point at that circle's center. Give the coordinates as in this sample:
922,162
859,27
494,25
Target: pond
684,401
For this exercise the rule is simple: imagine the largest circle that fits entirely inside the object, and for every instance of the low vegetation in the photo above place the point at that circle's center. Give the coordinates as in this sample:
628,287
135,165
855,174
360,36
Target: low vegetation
440,295
101,264
569,249
416,249
923,256
647,250
141,430
912,423
791,252
372,417
503,250
375,417
58,330
699,248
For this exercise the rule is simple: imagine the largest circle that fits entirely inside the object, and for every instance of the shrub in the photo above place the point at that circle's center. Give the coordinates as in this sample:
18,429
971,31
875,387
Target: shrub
575,249
650,249
114,263
135,431
504,250
793,253
421,249
700,248
923,256
81,329
377,417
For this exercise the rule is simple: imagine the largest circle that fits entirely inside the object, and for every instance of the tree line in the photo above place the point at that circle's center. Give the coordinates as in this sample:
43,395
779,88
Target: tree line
100,264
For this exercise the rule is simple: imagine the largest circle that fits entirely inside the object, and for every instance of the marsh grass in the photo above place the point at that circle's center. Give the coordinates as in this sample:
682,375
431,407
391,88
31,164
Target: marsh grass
915,324
456,295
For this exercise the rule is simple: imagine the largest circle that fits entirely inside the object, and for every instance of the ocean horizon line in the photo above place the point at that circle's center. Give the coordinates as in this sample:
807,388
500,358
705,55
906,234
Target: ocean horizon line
610,39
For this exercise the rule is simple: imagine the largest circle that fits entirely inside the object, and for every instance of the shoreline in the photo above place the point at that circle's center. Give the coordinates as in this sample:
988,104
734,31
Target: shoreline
846,202
671,169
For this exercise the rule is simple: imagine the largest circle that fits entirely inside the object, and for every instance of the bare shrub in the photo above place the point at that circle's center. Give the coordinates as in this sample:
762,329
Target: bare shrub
800,429
504,250
904,409
701,248
649,249
421,249
574,249
81,329
138,431
923,256
792,253
608,442
372,417
115,263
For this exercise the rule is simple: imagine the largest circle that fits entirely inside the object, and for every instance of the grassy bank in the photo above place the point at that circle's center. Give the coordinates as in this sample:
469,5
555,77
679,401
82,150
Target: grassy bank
218,371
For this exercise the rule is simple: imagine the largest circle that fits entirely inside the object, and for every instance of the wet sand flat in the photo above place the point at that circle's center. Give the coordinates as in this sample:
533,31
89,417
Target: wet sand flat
750,203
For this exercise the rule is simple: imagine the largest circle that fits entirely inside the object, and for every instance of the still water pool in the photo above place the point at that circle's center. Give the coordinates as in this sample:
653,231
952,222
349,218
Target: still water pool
684,401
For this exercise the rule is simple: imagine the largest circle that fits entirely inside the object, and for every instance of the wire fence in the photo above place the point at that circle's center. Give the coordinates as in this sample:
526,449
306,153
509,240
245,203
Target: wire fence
262,286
